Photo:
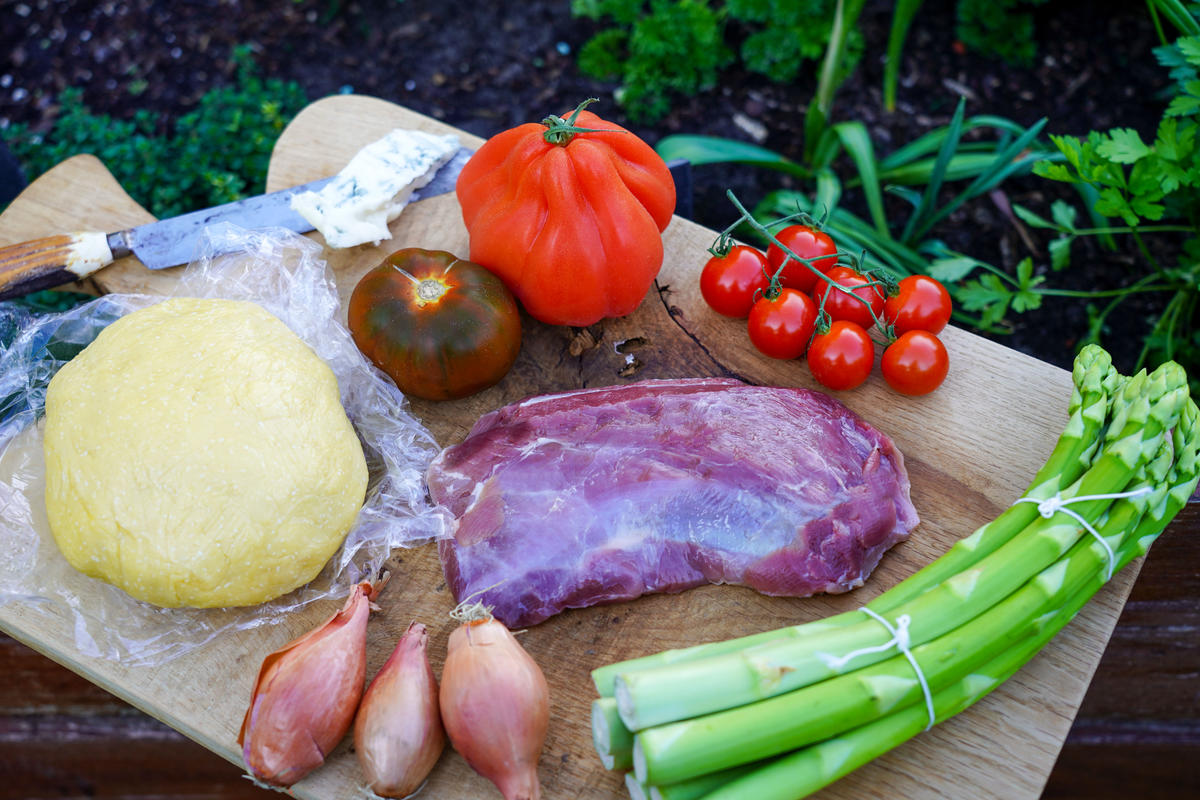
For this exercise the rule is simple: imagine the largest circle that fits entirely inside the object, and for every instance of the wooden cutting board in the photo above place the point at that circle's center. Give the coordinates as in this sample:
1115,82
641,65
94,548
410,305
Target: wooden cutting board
970,447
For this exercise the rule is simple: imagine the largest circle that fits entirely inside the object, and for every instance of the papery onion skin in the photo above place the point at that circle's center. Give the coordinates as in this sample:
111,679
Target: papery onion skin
496,706
398,733
306,694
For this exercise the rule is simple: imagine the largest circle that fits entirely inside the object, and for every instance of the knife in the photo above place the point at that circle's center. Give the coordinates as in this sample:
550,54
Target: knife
55,260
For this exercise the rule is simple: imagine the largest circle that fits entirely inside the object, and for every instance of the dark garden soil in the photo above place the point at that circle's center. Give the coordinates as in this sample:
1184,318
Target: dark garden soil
486,66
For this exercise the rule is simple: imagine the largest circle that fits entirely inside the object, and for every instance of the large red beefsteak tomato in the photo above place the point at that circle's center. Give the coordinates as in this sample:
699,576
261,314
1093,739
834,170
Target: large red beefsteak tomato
570,214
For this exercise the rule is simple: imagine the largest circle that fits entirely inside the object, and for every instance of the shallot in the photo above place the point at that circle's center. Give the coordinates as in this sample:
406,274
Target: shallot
495,703
306,694
398,734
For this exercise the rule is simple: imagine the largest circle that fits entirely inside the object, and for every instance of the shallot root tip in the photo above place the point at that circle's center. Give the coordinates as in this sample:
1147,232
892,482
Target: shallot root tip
364,792
467,612
377,585
264,785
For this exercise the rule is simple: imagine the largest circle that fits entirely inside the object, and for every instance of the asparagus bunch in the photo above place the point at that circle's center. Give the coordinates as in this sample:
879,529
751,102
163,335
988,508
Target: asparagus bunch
783,713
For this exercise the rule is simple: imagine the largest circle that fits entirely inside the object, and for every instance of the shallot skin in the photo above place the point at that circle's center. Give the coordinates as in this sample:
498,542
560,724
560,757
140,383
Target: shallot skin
306,694
496,706
398,733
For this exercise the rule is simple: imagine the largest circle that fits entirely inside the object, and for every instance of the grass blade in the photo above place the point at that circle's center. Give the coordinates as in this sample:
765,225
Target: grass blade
934,186
857,142
902,17
931,142
830,77
828,194
1177,14
961,167
1005,164
700,149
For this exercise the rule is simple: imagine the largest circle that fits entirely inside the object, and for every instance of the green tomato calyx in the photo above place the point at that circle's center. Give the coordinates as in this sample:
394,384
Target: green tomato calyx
561,131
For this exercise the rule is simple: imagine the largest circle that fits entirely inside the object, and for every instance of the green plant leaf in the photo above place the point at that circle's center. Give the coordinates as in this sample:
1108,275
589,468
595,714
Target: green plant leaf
910,196
1055,172
1112,203
829,192
1060,252
1032,219
1124,146
962,165
998,28
603,56
1189,47
700,149
857,141
952,270
1183,106
929,143
902,17
929,197
986,295
1006,163
1146,208
1023,301
1064,214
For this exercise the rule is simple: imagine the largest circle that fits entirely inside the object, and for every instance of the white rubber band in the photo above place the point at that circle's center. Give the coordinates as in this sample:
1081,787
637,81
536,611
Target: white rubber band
901,641
1052,505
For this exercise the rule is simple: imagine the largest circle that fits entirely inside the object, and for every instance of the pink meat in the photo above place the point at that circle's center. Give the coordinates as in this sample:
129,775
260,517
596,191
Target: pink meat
601,495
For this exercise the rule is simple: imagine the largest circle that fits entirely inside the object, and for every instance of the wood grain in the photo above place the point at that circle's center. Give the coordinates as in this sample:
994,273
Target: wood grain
970,449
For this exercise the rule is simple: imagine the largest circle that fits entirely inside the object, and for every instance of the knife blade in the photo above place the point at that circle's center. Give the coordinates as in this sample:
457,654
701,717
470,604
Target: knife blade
55,260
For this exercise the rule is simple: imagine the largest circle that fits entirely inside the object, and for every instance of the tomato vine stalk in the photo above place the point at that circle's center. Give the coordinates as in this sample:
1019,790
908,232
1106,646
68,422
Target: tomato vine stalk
885,283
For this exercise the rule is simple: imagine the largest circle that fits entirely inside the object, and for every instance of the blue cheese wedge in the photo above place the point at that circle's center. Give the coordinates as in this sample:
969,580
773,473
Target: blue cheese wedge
371,191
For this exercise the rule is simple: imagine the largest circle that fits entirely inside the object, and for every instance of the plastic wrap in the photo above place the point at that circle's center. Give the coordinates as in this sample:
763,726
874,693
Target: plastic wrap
284,273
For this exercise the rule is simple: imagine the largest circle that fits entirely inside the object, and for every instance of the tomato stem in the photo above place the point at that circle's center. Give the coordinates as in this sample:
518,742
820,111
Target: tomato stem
561,131
430,290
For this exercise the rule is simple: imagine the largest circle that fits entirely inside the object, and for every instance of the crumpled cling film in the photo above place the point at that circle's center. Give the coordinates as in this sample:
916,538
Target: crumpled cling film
283,272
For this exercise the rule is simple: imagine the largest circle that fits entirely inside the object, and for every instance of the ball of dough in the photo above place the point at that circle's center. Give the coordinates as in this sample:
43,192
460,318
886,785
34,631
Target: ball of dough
197,454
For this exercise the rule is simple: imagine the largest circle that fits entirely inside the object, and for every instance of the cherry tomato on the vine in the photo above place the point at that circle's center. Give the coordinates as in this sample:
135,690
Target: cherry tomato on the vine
731,283
916,363
922,304
781,326
805,242
841,305
842,357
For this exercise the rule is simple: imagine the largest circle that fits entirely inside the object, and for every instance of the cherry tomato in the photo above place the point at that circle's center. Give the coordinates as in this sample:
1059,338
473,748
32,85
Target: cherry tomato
916,363
805,242
781,326
842,357
441,327
841,305
922,304
732,282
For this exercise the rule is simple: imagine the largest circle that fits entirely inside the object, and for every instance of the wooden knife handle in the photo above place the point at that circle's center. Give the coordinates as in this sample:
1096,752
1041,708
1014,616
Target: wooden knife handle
53,261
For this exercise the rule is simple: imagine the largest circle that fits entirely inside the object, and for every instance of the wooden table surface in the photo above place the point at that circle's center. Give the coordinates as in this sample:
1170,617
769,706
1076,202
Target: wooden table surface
1137,733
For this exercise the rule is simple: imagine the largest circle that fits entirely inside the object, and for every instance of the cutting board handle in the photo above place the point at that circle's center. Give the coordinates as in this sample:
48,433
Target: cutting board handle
52,261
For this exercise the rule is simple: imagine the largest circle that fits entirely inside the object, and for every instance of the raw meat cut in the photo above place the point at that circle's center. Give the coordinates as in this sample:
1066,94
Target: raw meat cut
600,495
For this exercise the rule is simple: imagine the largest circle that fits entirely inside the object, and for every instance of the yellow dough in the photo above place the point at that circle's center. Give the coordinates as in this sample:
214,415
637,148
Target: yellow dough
197,454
